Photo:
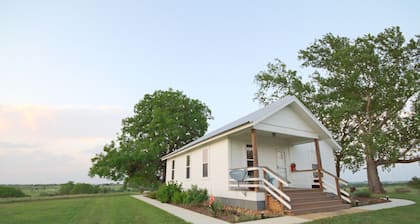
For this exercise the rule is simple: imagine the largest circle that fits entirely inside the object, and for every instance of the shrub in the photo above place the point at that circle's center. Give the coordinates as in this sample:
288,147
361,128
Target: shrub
66,188
363,194
179,197
414,182
10,192
82,188
166,192
79,188
196,195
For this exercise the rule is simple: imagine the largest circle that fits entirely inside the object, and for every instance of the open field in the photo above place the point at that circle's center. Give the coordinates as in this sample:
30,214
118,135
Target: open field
106,209
36,190
400,215
121,208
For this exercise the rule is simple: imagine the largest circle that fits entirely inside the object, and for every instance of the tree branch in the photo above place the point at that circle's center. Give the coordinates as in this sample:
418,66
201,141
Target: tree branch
383,162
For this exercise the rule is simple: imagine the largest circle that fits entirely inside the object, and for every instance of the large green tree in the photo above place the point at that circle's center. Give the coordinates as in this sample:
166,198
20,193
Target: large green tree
162,122
366,91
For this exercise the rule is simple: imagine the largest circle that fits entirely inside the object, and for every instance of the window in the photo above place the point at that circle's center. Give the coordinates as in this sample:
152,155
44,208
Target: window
173,170
205,162
249,159
188,167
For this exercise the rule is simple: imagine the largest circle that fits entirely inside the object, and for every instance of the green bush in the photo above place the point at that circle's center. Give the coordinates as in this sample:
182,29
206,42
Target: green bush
10,192
414,182
196,195
82,188
66,188
363,194
166,192
179,197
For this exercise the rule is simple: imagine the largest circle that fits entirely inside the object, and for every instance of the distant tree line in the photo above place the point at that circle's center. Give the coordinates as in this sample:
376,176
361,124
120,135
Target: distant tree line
83,188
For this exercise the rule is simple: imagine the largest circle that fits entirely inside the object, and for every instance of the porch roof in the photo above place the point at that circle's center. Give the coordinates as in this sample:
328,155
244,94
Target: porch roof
251,120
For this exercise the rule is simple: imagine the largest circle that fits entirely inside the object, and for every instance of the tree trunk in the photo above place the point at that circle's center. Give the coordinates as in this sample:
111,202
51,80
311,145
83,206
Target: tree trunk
375,185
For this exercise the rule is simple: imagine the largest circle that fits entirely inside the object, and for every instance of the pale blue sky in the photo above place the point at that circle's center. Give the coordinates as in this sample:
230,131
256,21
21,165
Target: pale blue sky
79,66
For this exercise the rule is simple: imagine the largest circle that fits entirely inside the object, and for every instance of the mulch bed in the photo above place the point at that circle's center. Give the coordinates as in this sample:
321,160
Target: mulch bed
231,213
369,201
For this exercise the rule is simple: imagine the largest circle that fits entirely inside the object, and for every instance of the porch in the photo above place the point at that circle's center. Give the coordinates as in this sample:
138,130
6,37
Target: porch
277,166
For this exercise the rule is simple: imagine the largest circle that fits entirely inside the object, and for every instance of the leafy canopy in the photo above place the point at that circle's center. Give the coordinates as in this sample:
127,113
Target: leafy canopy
162,122
366,91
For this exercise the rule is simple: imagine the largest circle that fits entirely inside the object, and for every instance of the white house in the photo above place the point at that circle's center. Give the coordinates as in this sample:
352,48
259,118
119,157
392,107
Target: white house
280,157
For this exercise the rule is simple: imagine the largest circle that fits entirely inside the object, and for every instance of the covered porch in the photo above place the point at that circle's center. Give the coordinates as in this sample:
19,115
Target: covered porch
270,162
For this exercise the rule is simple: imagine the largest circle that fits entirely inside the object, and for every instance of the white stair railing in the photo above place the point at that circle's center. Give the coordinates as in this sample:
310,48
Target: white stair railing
263,183
341,193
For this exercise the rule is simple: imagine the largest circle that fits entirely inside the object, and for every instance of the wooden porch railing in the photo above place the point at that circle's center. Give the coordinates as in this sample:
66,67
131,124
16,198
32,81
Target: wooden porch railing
263,182
341,193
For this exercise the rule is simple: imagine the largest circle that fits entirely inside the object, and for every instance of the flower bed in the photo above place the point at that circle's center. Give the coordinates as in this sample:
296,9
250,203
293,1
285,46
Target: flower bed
197,200
230,213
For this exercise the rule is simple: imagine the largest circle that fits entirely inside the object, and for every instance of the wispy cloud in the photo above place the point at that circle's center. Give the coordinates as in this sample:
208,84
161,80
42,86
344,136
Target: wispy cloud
55,142
15,145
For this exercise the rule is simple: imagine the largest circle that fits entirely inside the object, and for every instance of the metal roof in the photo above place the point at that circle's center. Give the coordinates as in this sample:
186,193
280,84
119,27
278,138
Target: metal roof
252,118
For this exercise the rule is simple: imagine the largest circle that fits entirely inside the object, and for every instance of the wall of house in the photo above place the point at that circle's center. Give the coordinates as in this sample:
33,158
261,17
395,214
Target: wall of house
217,166
328,162
303,155
217,182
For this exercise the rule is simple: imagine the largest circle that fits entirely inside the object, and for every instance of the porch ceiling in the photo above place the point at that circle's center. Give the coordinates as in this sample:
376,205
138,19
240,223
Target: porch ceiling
245,135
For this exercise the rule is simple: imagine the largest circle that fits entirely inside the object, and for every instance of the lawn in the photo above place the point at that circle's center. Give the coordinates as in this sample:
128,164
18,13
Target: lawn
400,215
106,209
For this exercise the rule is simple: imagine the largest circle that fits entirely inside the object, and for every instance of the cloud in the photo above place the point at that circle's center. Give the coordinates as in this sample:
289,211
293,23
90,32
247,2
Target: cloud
42,144
15,145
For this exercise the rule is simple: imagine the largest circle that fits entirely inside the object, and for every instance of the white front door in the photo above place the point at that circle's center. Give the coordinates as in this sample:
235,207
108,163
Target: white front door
281,164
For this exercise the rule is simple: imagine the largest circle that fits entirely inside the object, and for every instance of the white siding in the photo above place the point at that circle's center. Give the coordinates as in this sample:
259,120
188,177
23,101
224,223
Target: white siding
217,181
287,121
303,155
328,162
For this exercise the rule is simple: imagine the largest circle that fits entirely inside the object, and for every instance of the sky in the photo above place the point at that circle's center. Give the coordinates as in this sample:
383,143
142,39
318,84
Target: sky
71,70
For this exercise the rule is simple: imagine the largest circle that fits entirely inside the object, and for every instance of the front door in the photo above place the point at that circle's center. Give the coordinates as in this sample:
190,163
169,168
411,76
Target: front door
281,164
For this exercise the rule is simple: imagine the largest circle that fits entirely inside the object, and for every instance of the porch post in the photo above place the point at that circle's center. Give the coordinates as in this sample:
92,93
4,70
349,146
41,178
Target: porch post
318,159
254,153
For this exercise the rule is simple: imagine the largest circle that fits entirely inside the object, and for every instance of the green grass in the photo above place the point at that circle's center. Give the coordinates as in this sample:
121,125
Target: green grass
108,209
400,215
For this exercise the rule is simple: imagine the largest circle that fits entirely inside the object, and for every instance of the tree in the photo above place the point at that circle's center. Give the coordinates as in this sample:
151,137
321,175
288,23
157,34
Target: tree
366,91
162,122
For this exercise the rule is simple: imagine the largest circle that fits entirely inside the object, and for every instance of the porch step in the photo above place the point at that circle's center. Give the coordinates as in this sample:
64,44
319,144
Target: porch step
317,203
304,201
329,208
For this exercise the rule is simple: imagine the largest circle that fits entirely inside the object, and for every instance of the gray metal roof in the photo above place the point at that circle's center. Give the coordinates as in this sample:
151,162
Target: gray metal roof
256,117
251,118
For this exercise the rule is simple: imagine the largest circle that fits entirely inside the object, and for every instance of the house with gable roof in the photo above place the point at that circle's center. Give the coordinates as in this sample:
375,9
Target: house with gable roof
279,157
